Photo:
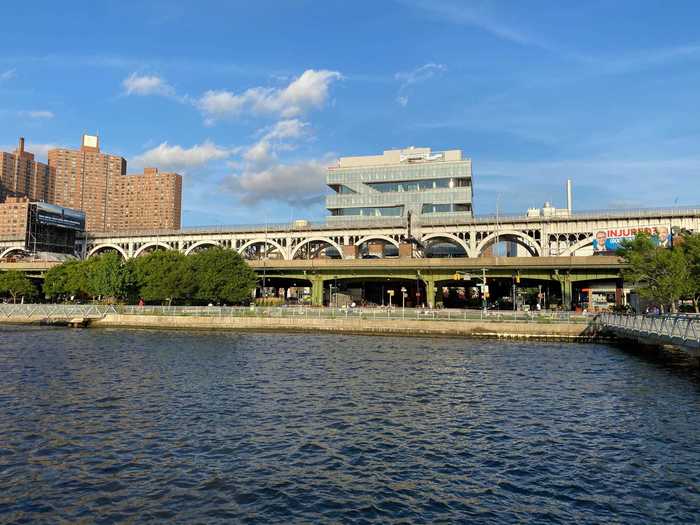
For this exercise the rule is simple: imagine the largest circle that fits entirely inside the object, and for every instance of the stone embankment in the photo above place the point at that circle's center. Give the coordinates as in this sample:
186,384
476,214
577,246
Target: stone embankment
508,330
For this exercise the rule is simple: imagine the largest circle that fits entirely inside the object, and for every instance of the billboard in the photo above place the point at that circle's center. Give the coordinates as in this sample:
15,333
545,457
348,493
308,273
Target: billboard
609,239
52,215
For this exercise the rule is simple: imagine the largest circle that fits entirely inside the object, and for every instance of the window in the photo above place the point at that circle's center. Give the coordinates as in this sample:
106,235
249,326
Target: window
445,208
379,211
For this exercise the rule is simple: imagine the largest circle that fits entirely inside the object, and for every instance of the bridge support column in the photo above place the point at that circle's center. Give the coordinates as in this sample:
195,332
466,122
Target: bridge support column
619,292
317,291
429,292
566,292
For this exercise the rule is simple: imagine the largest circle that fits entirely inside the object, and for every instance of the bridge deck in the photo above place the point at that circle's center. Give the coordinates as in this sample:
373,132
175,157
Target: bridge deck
678,330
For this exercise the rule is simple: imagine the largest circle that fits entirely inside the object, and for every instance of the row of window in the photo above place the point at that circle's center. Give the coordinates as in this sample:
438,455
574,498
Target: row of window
445,208
413,185
377,211
418,185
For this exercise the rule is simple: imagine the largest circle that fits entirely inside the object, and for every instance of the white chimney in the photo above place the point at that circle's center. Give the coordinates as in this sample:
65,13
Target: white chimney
569,197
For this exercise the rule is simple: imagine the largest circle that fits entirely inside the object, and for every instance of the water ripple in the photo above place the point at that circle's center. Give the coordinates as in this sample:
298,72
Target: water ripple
111,426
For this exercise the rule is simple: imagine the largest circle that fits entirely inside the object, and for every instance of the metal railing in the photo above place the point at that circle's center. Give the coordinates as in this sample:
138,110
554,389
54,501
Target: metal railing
55,312
388,222
95,311
669,328
379,313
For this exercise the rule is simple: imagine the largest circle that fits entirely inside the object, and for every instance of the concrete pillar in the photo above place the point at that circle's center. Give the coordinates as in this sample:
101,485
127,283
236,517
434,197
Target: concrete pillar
566,292
619,293
317,291
429,291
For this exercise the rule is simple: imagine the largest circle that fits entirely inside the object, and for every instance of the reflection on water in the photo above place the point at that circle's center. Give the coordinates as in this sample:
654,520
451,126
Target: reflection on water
110,426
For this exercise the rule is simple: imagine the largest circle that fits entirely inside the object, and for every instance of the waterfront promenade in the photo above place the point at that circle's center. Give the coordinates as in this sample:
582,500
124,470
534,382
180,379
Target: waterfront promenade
405,321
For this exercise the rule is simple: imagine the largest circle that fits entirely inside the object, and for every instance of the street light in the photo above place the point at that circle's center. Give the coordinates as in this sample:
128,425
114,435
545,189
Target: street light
403,299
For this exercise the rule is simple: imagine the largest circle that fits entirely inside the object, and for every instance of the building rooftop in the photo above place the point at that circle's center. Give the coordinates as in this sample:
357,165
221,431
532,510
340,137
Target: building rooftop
395,157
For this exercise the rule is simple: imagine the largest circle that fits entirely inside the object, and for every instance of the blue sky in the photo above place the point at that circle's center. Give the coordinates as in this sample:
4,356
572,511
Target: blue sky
251,101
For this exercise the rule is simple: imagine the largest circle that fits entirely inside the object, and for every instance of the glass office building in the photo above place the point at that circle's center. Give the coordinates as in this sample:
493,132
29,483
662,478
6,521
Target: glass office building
428,184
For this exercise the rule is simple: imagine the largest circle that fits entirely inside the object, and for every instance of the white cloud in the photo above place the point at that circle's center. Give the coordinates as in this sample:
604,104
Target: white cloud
415,76
38,114
297,183
143,85
308,91
477,16
8,75
259,154
178,158
261,176
287,129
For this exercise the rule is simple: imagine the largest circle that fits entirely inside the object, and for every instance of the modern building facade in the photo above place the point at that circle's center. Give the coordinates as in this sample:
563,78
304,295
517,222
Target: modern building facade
415,180
42,227
95,183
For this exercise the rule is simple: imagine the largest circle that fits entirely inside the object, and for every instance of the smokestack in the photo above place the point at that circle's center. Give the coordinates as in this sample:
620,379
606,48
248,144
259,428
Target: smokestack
20,149
569,196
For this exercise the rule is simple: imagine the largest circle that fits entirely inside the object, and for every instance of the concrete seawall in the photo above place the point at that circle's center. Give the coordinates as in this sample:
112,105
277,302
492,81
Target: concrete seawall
554,331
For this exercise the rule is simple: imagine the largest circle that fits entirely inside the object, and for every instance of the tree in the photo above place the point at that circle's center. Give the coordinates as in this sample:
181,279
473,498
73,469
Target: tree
690,244
59,280
16,284
108,276
162,276
660,274
221,275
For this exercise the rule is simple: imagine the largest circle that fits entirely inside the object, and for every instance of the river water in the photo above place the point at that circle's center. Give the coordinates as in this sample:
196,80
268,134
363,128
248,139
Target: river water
107,426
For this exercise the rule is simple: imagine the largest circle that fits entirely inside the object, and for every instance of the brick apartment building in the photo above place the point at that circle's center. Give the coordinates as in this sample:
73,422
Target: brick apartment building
14,215
96,183
21,175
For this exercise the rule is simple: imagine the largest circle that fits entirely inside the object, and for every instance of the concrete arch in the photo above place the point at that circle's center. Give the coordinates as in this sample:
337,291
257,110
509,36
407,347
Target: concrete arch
277,245
151,245
317,239
452,237
10,250
528,241
580,244
110,246
376,237
201,243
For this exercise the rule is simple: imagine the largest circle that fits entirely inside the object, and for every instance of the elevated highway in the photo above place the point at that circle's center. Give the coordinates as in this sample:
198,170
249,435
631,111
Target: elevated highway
541,236
435,272
319,274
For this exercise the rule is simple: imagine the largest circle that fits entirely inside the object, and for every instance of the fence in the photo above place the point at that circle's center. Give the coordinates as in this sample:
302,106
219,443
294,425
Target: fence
671,328
396,313
55,311
68,311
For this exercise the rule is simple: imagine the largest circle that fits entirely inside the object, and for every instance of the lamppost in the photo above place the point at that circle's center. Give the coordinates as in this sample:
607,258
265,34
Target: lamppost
403,300
335,280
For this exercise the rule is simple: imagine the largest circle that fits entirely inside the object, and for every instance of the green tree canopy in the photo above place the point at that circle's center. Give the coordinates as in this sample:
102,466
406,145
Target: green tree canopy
221,275
162,276
660,274
62,280
105,276
690,244
16,284
108,276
